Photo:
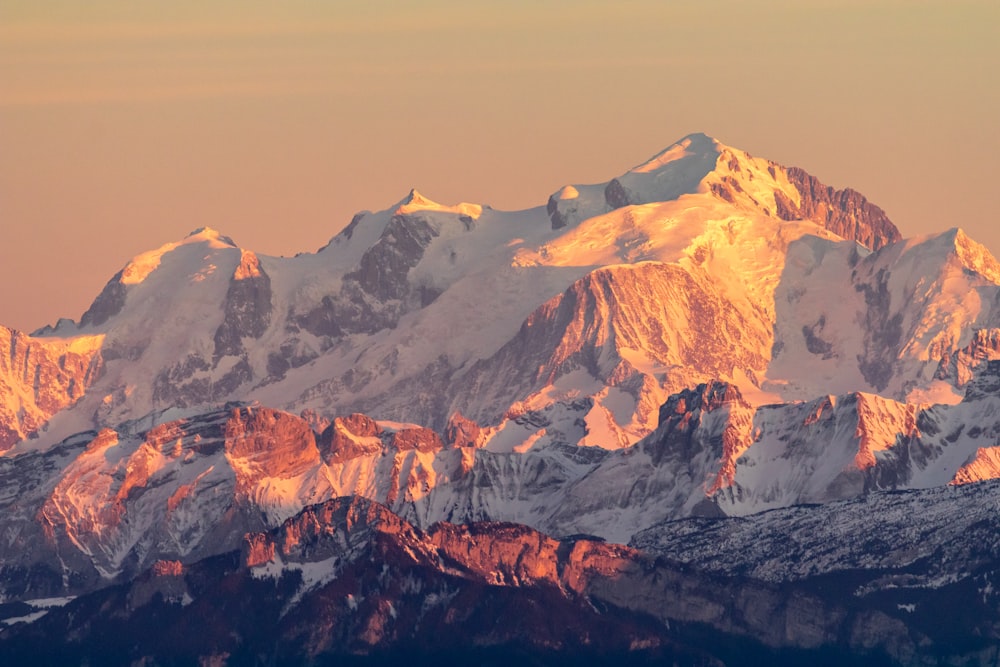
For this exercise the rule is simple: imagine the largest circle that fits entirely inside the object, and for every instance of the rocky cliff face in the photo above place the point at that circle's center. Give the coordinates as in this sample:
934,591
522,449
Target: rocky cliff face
959,366
844,212
376,292
247,307
39,378
640,331
108,303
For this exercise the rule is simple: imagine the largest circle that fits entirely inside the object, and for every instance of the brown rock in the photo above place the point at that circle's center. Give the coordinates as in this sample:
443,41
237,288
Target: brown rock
39,377
345,439
420,439
844,212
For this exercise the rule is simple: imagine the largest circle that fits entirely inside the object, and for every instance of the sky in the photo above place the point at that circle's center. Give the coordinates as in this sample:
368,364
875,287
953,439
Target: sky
125,125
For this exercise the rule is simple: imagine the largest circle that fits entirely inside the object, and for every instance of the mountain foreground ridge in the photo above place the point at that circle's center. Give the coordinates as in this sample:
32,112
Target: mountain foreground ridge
705,337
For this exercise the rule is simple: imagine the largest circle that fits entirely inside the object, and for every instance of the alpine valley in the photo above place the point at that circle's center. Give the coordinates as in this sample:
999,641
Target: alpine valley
711,411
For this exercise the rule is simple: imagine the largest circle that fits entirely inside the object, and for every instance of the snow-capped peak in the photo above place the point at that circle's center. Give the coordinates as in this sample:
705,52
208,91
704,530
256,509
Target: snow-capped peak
693,147
211,235
137,270
414,198
414,202
696,164
932,250
975,256
701,165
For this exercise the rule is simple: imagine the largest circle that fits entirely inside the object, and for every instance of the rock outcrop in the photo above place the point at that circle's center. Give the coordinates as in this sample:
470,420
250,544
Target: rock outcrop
40,377
247,307
108,303
844,212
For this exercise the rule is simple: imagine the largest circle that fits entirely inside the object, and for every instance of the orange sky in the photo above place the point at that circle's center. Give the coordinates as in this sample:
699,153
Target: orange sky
125,125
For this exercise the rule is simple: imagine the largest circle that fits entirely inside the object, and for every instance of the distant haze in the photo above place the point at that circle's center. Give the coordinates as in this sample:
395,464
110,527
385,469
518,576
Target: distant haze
125,125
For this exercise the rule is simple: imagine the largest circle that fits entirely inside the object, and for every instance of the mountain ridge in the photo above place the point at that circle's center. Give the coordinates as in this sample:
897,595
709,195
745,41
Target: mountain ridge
493,585
496,403
284,335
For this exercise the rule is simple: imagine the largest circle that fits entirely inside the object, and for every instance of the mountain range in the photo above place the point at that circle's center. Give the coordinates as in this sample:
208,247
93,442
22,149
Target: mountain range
708,409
